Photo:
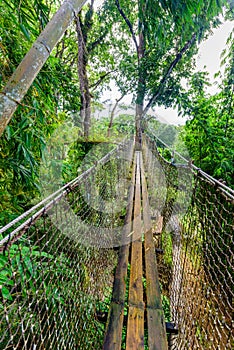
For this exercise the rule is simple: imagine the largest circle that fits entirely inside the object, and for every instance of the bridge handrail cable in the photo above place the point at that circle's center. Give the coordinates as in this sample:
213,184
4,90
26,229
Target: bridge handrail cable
52,199
227,190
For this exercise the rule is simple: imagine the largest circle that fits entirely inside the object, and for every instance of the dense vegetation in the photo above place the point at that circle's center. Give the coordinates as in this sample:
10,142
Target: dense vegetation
148,49
145,48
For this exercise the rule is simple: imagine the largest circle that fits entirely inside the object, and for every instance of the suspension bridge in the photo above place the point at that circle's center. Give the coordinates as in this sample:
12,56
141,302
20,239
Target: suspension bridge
134,253
155,272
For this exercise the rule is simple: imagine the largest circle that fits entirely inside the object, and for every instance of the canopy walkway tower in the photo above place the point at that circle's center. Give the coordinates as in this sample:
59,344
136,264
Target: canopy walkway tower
135,253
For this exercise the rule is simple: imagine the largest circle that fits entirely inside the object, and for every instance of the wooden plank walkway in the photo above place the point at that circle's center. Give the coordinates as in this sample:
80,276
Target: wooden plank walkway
135,329
143,303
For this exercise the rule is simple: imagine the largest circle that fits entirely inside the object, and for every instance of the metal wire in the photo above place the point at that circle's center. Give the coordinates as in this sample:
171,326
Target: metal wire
53,273
56,271
196,269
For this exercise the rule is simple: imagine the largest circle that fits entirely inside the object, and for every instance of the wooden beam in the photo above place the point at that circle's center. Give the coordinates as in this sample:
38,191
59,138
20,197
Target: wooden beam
155,319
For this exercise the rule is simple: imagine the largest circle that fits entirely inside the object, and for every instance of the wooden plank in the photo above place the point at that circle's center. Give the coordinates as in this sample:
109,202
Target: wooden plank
155,320
113,337
157,339
135,328
135,325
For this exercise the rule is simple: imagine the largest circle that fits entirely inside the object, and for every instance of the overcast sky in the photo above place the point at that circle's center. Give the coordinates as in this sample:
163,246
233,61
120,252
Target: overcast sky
208,56
211,49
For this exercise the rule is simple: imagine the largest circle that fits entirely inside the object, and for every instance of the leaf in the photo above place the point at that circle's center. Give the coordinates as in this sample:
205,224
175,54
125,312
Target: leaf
6,272
33,288
44,254
25,31
3,260
28,265
6,293
5,280
8,132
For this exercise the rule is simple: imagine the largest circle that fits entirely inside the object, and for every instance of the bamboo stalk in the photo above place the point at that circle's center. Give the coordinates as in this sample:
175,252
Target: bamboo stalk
26,72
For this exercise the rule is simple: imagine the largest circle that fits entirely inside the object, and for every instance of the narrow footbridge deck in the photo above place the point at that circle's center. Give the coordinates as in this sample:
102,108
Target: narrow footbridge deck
143,301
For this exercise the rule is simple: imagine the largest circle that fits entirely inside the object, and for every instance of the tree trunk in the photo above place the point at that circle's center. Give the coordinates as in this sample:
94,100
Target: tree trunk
113,113
87,117
85,98
139,110
140,49
140,89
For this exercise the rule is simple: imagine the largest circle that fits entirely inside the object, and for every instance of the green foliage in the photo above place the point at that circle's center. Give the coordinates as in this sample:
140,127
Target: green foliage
210,142
167,247
210,129
45,106
124,124
23,270
164,28
55,97
166,308
44,288
23,279
165,153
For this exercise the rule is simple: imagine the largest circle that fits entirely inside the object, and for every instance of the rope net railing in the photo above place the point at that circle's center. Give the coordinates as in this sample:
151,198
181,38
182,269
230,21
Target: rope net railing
196,267
57,260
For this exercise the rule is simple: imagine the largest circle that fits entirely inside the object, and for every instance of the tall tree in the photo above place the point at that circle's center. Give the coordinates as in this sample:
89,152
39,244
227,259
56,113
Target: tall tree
91,33
83,27
165,34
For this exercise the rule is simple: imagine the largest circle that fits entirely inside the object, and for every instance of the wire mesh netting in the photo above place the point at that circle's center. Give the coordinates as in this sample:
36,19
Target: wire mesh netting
57,261
196,267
